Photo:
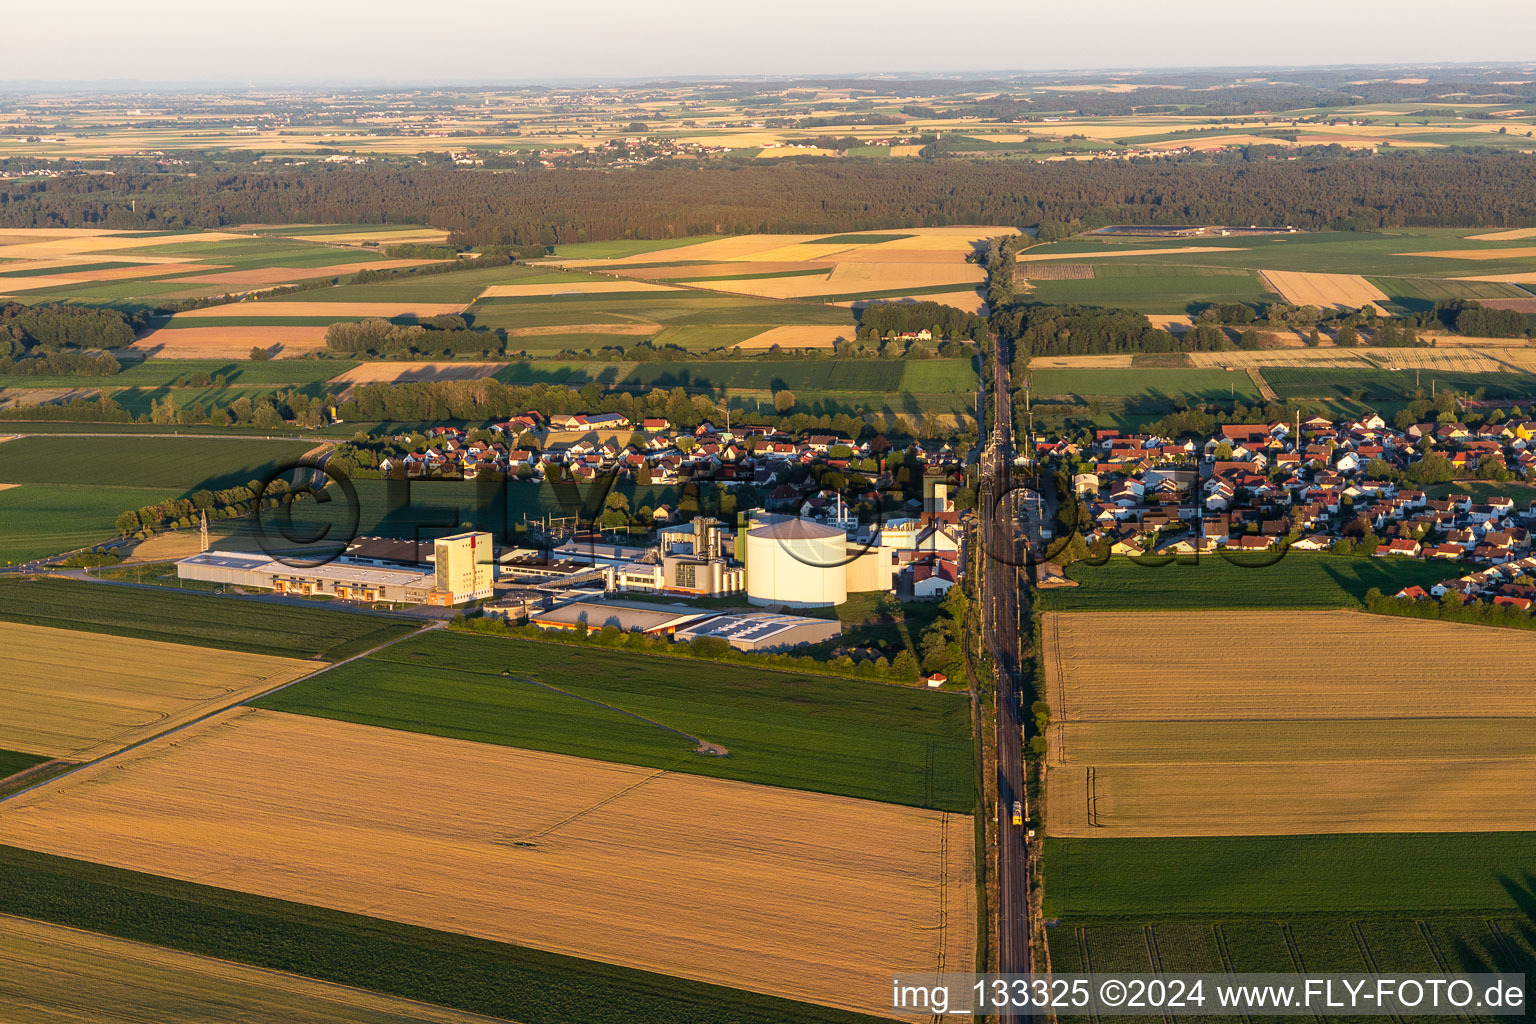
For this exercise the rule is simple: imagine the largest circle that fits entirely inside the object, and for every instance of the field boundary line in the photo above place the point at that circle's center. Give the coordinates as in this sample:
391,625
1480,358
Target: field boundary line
701,746
214,714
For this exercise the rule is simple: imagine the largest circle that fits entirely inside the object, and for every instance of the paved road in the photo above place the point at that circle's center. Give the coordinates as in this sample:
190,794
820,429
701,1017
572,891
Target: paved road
1004,590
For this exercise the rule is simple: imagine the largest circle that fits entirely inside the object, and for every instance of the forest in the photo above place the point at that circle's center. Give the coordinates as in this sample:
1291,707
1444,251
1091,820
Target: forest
552,206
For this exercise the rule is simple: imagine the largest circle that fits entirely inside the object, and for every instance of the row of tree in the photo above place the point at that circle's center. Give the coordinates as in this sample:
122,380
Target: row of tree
549,206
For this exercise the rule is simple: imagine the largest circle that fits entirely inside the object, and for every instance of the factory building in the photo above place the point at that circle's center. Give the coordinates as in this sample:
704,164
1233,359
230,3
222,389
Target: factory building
338,579
763,632
798,563
462,571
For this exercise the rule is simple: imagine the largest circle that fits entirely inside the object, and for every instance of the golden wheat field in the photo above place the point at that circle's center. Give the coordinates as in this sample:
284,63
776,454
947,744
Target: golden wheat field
628,865
574,287
59,975
229,342
1512,235
390,373
1188,723
1324,290
78,695
281,275
1506,253
804,336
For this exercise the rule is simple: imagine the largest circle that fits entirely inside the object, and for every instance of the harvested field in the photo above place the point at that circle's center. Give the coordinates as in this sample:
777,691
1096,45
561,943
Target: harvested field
1055,272
883,276
1332,357
773,287
1504,236
79,695
969,300
798,252
1518,305
1109,253
44,396
229,342
1098,362
1286,723
357,818
336,310
1328,291
1527,277
1504,253
798,337
886,253
737,247
573,287
717,270
67,976
389,373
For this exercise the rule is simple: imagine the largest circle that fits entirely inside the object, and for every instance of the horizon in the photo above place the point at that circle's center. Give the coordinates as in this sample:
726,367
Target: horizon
688,39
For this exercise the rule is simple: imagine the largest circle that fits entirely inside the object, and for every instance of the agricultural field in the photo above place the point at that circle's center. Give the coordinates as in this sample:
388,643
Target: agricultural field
1300,580
47,519
851,269
182,464
1381,384
78,696
1154,289
859,884
144,269
782,728
475,975
1385,729
1145,382
115,981
920,376
171,616
178,373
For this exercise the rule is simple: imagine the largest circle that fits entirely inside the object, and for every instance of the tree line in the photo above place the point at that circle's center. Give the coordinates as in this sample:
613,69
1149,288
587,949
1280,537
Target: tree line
549,206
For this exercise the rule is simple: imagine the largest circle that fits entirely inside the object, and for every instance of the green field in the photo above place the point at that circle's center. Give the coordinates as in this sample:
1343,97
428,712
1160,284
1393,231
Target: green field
852,738
140,401
1431,944
1145,382
537,345
457,286
1372,254
623,248
79,268
683,308
12,762
182,463
1319,874
47,519
173,616
1388,385
1298,580
926,376
855,239
165,372
1414,295
498,979
1153,288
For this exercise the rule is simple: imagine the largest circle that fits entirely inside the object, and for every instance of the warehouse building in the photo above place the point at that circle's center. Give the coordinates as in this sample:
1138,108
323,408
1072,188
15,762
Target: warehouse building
628,616
335,579
457,574
764,632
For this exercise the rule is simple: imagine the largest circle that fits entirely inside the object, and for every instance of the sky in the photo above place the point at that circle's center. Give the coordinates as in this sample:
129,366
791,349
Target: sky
382,41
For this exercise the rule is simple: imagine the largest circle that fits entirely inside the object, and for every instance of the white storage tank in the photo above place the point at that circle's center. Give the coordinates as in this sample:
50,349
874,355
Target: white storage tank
798,563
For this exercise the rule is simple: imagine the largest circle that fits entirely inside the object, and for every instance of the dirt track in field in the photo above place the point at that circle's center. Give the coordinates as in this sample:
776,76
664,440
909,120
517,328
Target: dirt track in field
789,893
1249,723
